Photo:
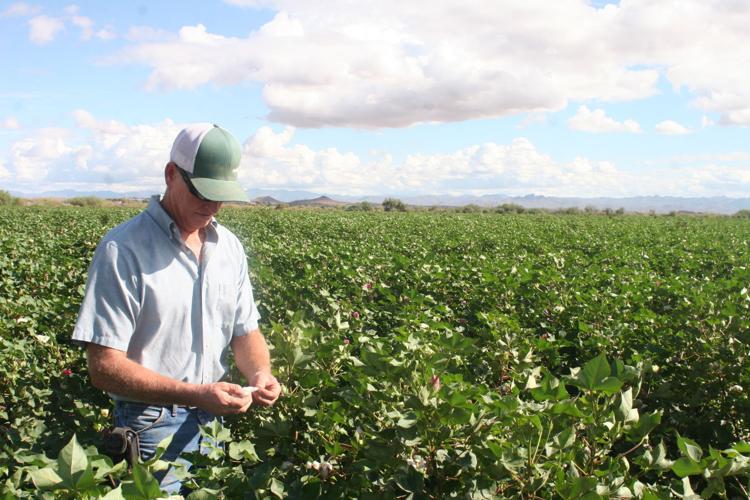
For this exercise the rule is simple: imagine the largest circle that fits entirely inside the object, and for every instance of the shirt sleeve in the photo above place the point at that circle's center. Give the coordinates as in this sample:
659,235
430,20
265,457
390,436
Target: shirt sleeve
247,316
110,304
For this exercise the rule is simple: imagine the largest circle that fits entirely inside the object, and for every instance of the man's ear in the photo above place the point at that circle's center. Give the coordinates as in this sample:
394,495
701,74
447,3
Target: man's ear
170,171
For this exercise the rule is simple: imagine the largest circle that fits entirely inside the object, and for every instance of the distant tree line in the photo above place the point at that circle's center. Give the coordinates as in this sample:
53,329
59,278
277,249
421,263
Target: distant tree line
7,199
388,205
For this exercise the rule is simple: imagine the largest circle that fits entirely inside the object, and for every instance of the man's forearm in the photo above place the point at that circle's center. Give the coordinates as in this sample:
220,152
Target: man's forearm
254,361
251,354
112,371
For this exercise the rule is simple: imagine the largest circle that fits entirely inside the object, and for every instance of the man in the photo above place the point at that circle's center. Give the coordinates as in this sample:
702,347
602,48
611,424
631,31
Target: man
167,295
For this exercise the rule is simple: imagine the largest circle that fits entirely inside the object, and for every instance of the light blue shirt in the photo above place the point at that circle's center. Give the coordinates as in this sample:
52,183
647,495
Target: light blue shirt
148,295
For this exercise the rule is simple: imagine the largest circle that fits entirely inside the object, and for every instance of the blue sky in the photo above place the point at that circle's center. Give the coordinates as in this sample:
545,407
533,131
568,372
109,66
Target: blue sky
565,98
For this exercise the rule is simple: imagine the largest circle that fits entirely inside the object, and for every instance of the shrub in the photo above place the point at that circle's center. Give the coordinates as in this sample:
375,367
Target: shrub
393,204
7,199
363,206
510,208
568,211
86,201
471,209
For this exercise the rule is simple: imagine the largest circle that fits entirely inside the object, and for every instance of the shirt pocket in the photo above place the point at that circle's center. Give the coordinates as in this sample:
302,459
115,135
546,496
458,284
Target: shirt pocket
225,306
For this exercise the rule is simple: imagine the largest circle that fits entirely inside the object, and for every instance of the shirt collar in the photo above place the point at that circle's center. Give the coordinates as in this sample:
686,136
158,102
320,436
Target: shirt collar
165,222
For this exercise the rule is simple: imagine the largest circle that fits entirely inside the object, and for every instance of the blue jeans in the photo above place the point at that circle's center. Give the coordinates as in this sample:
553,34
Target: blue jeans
153,423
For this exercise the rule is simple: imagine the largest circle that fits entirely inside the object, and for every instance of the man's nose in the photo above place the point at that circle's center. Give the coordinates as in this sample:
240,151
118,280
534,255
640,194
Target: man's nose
213,206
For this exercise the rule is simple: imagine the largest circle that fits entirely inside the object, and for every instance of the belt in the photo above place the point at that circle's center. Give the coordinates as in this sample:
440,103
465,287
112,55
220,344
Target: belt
171,407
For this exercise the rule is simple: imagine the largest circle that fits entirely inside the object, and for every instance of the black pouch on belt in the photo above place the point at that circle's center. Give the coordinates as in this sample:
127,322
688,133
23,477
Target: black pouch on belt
121,443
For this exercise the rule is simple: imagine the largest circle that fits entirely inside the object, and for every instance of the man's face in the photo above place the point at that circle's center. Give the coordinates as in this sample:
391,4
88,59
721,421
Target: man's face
190,211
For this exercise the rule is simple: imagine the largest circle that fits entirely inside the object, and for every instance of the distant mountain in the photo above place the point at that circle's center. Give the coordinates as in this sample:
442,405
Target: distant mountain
282,195
267,200
645,204
320,201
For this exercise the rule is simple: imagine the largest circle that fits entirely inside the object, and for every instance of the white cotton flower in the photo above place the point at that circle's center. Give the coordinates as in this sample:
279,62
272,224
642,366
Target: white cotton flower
325,470
417,462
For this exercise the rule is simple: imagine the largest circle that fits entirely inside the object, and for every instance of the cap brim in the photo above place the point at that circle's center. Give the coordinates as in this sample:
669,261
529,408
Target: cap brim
219,190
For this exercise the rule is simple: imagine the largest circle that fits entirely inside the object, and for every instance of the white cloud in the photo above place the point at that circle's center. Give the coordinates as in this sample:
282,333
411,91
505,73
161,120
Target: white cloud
96,155
111,155
597,121
85,24
10,123
147,34
4,172
705,54
272,160
106,33
32,157
43,29
19,9
706,122
392,63
670,127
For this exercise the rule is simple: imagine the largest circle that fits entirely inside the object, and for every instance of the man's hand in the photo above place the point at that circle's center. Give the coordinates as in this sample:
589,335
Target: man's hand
269,388
223,398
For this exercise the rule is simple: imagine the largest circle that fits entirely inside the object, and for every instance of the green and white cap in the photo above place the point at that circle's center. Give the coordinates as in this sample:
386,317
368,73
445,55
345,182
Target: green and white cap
211,156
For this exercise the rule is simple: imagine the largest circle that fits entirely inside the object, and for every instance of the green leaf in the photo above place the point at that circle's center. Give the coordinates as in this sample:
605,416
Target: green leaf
115,494
687,490
686,467
243,450
86,480
45,478
577,487
660,459
646,423
625,412
102,467
160,449
565,439
568,407
206,494
300,358
609,385
143,485
407,422
72,461
741,447
592,373
549,389
277,488
689,448
216,430
495,448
